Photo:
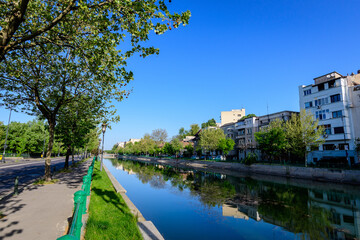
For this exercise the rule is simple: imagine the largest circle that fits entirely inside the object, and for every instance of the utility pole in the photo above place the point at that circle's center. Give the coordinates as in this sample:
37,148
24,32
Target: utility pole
7,132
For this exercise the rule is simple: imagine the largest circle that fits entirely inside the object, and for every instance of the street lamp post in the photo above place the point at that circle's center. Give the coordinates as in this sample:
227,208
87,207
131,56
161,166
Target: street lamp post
98,155
7,132
102,152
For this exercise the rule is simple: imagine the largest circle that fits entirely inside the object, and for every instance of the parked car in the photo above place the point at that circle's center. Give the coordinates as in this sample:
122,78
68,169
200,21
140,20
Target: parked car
220,158
194,157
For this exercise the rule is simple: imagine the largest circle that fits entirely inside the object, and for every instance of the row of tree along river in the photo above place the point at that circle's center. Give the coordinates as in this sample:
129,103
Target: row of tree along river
189,204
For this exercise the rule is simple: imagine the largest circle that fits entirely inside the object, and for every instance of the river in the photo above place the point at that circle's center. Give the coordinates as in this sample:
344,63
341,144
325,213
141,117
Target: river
189,204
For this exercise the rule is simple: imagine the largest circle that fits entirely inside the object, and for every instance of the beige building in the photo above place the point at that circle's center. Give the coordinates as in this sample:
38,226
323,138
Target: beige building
232,116
132,140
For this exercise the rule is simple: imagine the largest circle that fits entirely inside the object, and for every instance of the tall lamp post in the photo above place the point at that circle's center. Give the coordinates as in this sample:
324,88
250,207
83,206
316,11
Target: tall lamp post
102,152
7,132
98,155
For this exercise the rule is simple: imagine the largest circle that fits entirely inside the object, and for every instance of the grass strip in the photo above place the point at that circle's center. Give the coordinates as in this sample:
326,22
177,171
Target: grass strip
109,216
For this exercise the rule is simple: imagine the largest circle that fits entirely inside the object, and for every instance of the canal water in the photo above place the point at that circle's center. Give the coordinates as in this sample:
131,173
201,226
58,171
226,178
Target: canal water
189,204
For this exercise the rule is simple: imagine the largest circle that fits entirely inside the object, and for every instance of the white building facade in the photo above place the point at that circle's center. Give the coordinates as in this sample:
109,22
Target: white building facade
334,101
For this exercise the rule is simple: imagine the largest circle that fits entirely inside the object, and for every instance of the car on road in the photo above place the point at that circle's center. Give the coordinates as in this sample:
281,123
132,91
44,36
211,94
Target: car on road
220,158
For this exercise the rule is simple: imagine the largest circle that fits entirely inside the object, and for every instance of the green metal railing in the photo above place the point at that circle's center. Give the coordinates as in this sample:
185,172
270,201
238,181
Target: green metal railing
80,206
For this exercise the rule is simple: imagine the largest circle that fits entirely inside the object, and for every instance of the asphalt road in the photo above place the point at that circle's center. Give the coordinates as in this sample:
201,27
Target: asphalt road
27,173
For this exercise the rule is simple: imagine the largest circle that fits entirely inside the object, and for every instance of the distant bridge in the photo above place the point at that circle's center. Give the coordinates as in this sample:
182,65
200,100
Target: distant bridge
108,155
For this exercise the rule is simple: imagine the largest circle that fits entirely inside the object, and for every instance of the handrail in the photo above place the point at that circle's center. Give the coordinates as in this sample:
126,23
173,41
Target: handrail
80,198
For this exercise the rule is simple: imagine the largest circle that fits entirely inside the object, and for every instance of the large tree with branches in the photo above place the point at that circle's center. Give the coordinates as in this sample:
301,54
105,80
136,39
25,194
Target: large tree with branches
53,53
28,23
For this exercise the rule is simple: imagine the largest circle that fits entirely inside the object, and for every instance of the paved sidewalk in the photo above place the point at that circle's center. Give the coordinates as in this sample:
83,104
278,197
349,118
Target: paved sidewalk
41,212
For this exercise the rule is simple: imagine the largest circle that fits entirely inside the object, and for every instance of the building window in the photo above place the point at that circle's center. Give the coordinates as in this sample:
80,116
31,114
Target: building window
321,101
343,146
321,87
337,114
308,104
329,147
327,128
348,219
318,195
332,84
321,115
338,130
335,98
336,218
307,92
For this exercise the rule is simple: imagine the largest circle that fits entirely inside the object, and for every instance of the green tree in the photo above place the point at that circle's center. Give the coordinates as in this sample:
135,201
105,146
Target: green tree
210,138
25,24
189,149
182,134
176,144
128,149
168,149
194,128
92,139
147,144
75,121
248,116
26,137
302,132
58,51
209,123
226,145
35,136
2,135
272,140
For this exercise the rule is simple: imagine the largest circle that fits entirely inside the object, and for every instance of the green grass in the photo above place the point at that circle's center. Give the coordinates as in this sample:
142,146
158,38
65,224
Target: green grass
109,216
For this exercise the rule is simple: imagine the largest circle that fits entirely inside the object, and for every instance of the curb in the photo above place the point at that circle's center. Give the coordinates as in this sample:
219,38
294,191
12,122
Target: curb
146,228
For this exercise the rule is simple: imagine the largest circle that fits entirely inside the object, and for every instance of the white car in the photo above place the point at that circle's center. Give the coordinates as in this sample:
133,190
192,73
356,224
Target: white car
220,157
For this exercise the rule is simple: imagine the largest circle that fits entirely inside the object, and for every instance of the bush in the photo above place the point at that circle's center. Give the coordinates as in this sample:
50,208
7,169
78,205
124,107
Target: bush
251,158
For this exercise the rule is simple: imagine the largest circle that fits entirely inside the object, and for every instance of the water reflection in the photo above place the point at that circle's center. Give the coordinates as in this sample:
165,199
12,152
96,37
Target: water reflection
309,212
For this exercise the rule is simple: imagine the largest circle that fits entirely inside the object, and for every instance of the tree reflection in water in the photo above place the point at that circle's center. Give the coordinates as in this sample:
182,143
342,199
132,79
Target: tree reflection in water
295,209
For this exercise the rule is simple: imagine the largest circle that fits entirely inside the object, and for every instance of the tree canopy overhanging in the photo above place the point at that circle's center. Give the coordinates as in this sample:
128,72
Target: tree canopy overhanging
55,53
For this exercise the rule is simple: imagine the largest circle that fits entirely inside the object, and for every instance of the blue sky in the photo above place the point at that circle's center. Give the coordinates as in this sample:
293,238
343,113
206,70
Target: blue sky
235,54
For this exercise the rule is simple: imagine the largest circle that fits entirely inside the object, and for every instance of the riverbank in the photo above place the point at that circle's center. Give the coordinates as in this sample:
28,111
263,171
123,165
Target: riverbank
109,216
306,173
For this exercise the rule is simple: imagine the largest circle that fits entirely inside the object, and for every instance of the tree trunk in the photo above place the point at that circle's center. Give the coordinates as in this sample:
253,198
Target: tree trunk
68,152
72,156
48,153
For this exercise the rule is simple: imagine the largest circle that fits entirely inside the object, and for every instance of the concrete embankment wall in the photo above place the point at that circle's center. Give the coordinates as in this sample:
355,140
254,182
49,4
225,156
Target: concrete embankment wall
309,173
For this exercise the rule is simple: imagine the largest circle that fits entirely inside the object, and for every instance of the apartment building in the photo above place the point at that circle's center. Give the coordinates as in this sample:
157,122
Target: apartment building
232,116
243,132
334,100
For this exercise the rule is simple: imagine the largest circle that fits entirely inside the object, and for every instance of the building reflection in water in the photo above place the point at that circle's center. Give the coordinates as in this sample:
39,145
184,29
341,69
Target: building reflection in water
344,210
308,211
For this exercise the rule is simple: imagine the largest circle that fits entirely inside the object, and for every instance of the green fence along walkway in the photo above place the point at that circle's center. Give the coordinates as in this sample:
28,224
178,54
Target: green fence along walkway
80,198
